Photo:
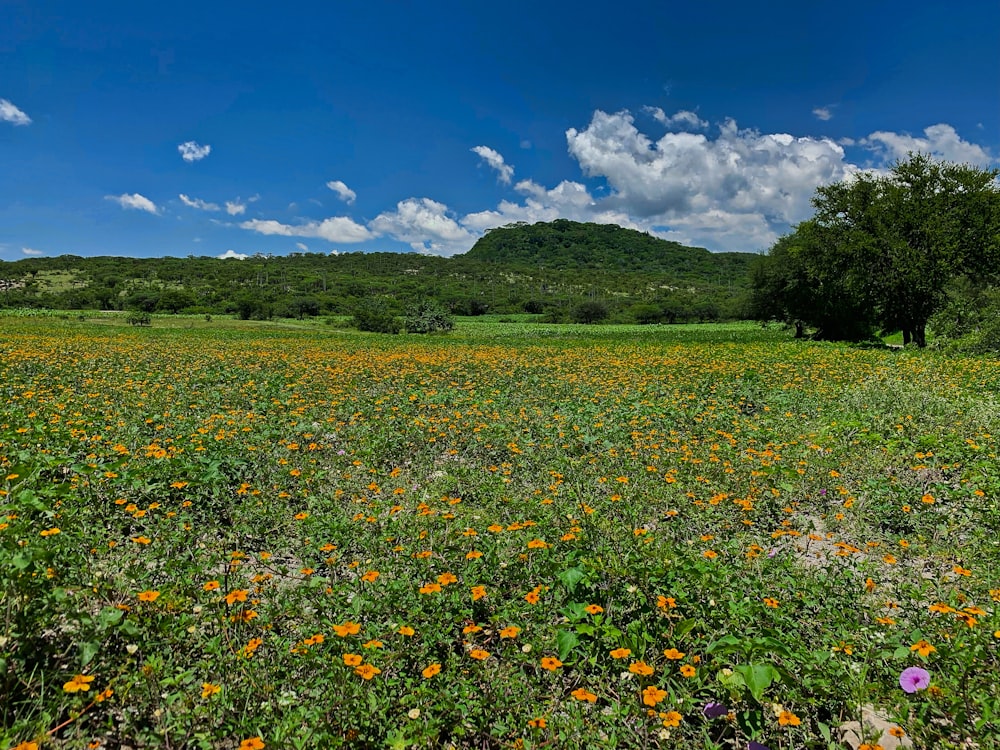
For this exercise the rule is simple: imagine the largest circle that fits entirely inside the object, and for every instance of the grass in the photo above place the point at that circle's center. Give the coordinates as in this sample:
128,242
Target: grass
229,535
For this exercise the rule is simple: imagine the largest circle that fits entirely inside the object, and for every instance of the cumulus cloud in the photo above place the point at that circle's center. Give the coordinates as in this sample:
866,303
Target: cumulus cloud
823,113
940,140
191,151
425,225
232,254
198,203
496,161
136,201
10,113
334,229
32,252
345,193
235,208
683,119
302,246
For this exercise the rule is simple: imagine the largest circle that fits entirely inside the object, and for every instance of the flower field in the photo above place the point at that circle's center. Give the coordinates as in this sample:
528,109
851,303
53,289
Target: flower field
250,538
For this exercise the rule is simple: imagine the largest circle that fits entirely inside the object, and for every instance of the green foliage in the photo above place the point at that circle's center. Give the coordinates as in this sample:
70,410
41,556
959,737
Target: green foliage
428,316
376,315
591,311
139,318
881,249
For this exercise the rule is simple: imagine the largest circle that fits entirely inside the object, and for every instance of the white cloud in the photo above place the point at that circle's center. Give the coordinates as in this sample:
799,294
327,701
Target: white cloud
823,113
941,141
345,193
334,229
198,203
683,119
191,151
31,251
10,113
426,226
232,254
136,201
302,246
235,208
495,160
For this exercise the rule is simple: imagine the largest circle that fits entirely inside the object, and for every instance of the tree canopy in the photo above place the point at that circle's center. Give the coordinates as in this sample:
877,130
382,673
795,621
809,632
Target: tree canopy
881,250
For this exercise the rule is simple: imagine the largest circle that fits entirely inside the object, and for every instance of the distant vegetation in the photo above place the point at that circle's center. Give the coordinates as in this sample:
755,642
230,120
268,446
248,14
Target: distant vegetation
546,268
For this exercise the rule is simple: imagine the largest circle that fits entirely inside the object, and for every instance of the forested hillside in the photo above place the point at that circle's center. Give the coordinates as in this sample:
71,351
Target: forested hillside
548,268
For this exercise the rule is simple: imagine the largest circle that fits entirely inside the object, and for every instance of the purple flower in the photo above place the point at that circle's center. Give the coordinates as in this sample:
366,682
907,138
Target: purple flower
913,679
751,745
713,710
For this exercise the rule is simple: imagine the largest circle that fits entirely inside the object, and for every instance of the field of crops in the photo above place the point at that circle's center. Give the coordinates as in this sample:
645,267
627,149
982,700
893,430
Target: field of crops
510,537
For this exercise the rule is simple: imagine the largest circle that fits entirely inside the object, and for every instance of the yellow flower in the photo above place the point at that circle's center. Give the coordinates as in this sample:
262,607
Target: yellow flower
621,653
688,671
923,648
478,592
254,743
673,654
352,660
148,596
407,631
237,595
79,683
584,695
479,654
348,628
431,670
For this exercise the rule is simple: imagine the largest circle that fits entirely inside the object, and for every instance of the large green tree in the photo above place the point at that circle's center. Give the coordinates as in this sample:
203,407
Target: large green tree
883,248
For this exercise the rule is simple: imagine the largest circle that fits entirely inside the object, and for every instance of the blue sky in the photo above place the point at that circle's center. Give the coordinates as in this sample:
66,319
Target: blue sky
152,129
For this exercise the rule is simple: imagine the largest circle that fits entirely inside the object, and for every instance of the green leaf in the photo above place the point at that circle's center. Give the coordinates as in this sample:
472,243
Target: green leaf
684,627
566,641
88,650
758,678
571,577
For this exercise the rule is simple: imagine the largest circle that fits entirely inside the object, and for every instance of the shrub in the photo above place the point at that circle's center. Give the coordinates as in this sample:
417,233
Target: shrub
428,316
376,316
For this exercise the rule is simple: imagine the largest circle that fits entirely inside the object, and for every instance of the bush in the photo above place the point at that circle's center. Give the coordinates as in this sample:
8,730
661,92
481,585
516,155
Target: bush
376,316
592,311
139,318
428,317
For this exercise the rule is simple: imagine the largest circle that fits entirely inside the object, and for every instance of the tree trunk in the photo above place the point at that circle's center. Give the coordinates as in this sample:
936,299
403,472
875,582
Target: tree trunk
906,336
799,329
919,335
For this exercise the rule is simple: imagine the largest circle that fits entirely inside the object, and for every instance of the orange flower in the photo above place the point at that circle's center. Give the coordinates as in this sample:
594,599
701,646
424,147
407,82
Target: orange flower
407,631
370,576
236,595
788,719
352,660
666,602
538,723
688,671
149,596
640,668
594,609
479,654
538,544
671,719
652,695
367,671
211,586
769,602
447,578
584,695
431,670
208,689
348,628
478,592
923,648
532,597
621,653
474,555
673,654
254,743
511,631
710,554
79,683
551,663
430,588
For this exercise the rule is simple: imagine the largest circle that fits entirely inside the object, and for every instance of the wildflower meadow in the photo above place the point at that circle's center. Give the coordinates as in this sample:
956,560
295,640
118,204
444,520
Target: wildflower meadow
511,536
